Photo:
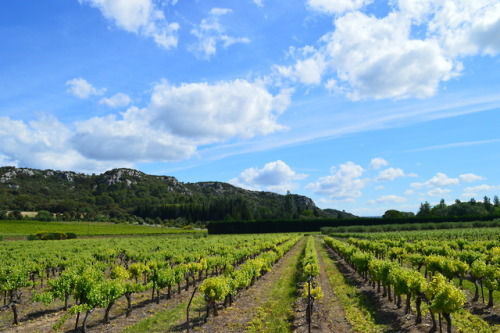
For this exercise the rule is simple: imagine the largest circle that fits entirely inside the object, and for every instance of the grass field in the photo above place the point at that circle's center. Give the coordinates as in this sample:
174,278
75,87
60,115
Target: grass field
19,229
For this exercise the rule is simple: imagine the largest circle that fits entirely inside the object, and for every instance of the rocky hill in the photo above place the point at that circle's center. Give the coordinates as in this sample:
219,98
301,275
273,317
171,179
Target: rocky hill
128,194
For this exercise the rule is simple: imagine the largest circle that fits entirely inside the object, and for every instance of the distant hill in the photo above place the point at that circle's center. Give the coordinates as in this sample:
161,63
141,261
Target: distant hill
127,194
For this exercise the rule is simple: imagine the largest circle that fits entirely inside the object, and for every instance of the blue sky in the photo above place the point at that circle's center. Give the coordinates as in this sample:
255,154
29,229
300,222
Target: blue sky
361,105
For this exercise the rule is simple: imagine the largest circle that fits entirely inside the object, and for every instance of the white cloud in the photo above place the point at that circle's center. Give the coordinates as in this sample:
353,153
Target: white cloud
407,53
176,122
131,137
387,199
258,2
480,190
391,174
274,176
213,113
220,11
440,179
139,16
376,58
377,163
210,33
344,183
179,119
307,71
438,192
81,88
337,6
466,27
469,178
117,100
45,144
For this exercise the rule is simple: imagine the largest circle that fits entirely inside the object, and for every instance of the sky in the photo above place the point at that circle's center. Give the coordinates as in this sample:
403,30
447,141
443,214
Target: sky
361,105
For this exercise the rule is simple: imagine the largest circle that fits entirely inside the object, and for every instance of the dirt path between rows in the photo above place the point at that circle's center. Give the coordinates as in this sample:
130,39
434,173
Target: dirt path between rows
236,317
328,314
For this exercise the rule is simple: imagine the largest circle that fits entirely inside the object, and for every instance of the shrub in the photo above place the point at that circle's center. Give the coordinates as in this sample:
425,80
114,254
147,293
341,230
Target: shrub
71,235
45,235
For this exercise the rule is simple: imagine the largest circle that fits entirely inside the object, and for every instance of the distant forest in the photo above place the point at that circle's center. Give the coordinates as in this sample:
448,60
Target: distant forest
127,195
459,208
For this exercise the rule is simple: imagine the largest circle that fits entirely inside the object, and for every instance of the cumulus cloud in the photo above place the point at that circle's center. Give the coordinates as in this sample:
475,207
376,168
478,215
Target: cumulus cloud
177,120
45,144
440,180
387,199
344,183
377,163
306,71
407,53
117,100
142,17
81,88
212,113
391,174
438,192
480,190
469,178
129,137
274,176
210,33
376,58
466,27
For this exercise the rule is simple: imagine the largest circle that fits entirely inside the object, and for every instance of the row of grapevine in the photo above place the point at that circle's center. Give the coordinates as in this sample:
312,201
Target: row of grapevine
309,270
91,274
226,286
471,234
476,261
441,296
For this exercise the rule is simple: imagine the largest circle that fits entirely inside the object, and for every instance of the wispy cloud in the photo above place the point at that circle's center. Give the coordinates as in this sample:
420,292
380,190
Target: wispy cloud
210,33
455,145
142,17
82,89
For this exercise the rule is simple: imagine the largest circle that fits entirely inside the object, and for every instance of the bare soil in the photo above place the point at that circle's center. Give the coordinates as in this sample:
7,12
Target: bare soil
328,315
236,317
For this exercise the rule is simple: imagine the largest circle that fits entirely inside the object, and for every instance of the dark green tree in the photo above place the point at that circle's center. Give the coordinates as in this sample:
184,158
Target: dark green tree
424,210
392,214
44,215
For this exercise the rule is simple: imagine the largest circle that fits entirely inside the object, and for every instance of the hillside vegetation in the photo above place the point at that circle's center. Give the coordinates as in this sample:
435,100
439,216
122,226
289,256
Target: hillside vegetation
131,195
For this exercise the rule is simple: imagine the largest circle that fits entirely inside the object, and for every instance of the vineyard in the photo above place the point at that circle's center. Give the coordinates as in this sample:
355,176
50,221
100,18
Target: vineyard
419,281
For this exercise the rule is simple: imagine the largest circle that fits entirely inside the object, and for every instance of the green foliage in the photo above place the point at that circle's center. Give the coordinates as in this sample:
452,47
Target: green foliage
445,298
71,229
44,215
216,288
132,196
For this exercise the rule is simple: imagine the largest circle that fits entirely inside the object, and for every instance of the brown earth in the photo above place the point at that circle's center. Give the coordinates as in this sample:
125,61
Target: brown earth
328,314
236,317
